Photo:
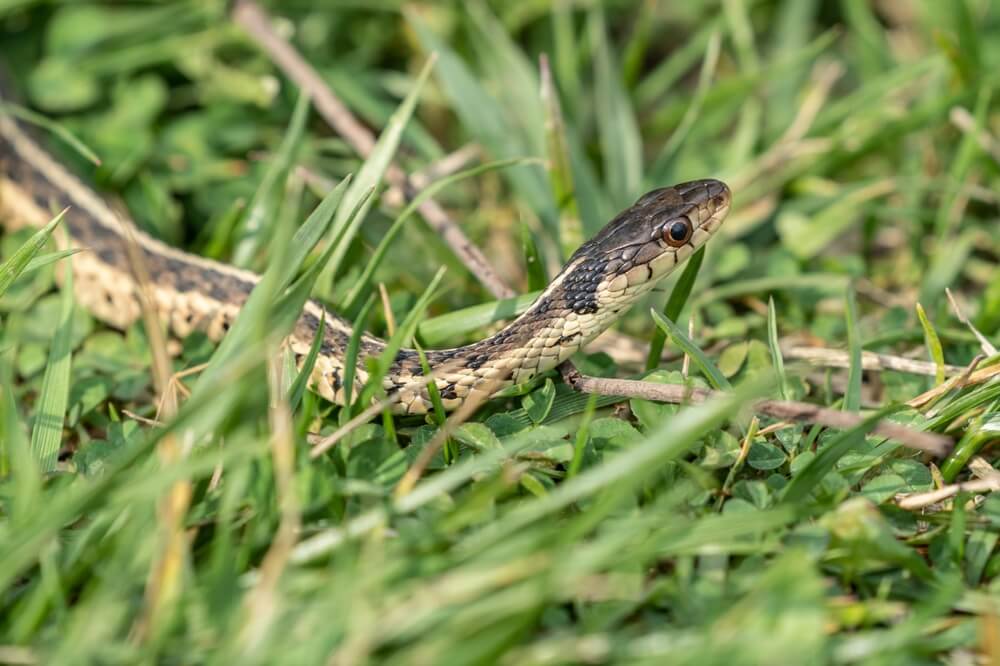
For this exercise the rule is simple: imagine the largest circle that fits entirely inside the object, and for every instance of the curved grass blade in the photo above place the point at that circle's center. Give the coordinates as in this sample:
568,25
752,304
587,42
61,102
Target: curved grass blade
437,330
298,387
21,259
27,115
772,342
256,226
708,369
675,305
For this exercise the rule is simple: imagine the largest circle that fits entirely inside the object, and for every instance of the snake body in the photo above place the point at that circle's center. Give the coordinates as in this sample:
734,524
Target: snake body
600,281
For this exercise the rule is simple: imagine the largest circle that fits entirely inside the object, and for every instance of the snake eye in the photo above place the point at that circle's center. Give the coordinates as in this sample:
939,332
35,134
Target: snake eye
678,232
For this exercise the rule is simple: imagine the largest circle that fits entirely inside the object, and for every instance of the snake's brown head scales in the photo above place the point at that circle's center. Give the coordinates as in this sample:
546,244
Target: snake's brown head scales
661,229
642,245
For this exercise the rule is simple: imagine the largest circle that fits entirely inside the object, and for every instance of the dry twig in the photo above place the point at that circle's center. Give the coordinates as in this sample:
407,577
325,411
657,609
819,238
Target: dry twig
787,410
835,358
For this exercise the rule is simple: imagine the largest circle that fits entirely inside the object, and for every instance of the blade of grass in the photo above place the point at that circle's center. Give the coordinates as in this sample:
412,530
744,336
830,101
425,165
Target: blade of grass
775,347
263,210
933,343
27,115
852,396
46,432
437,330
21,259
345,223
809,478
708,369
675,304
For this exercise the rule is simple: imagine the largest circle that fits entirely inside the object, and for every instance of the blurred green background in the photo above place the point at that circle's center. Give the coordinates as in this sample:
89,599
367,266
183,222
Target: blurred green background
860,140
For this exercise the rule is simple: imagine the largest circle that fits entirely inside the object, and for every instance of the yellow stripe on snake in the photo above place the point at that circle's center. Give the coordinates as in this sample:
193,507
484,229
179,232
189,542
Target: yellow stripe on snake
597,285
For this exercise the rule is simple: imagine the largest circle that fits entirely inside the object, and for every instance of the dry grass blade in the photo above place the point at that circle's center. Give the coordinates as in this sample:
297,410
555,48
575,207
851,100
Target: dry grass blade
835,358
164,579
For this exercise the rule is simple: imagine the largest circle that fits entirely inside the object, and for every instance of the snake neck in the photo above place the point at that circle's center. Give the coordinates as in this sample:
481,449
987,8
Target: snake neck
575,308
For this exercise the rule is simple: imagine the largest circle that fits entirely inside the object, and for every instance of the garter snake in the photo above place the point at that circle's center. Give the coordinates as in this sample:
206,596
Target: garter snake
599,282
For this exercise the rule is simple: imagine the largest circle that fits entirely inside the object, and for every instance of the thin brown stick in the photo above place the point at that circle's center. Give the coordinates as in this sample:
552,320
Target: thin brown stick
835,358
925,499
965,379
252,18
787,410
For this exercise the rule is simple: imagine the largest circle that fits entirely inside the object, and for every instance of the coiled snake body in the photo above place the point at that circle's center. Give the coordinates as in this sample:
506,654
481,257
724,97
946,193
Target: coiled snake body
600,281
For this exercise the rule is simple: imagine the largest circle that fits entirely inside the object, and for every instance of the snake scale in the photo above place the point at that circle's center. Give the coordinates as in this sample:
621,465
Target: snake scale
597,285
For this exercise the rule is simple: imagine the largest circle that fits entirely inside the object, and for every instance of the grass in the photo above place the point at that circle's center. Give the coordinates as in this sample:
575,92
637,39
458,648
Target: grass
553,527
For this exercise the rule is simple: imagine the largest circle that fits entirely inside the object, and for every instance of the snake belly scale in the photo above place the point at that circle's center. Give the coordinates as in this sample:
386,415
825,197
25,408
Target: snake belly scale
600,281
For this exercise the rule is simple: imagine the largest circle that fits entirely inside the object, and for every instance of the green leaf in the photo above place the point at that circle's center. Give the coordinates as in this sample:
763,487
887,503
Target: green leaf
765,456
538,403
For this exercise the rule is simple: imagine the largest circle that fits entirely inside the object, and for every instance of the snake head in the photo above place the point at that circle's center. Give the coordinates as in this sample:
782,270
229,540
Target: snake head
658,232
668,217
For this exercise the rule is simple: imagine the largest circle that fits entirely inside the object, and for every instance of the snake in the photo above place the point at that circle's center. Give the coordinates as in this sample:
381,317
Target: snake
600,281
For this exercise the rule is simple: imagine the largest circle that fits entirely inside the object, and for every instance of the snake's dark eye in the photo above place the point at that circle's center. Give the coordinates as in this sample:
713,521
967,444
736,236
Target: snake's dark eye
678,232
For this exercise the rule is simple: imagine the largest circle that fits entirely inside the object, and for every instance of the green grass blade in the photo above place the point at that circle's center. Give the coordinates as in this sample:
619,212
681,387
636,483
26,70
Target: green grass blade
708,369
263,210
675,305
933,343
437,330
298,387
50,412
855,373
345,223
21,259
775,347
65,135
